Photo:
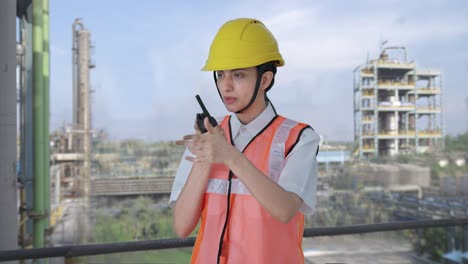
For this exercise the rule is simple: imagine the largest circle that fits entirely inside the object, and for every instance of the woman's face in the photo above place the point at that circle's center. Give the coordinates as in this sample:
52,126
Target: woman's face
237,87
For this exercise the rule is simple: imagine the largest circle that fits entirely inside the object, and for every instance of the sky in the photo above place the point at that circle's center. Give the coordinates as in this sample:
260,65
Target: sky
149,54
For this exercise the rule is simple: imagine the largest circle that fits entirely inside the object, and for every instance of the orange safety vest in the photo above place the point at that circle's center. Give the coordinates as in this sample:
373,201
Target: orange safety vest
252,235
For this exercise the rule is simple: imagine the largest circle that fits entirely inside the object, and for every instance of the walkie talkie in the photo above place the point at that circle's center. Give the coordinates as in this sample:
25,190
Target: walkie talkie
201,116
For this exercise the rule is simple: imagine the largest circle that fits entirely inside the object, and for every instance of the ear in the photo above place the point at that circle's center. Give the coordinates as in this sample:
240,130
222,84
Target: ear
266,80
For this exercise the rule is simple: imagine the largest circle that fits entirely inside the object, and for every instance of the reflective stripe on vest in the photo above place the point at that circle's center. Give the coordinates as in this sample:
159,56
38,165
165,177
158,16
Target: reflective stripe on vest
252,234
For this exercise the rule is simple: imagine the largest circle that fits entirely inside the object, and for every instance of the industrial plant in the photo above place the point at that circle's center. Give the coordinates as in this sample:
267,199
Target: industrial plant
397,106
71,146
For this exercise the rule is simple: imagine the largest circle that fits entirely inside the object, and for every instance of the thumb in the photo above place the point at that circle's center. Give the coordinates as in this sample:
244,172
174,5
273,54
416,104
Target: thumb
208,125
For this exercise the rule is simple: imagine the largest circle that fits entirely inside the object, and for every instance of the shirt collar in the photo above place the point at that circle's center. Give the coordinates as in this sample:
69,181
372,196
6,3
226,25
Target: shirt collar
256,125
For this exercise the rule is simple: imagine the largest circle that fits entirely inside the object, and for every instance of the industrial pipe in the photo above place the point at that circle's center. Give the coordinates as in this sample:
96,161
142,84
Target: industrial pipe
39,211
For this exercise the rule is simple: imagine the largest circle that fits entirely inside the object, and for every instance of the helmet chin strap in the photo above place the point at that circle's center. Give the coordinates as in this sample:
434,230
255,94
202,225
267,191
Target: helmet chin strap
260,71
257,88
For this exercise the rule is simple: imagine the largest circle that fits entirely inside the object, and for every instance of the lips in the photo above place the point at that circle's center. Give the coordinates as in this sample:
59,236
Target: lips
229,99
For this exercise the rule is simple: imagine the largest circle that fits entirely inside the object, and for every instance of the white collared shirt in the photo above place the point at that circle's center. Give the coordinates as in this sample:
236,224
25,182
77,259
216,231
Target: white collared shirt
299,174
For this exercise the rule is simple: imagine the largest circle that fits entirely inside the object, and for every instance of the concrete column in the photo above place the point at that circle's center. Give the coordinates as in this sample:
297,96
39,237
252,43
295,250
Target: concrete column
8,199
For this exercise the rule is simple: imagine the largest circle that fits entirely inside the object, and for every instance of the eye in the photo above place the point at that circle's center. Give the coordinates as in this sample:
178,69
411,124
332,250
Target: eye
219,74
238,75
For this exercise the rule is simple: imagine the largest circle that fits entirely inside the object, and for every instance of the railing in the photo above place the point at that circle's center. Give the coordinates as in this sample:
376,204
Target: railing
395,83
367,93
384,133
428,109
429,133
368,148
434,90
409,133
395,105
99,249
394,63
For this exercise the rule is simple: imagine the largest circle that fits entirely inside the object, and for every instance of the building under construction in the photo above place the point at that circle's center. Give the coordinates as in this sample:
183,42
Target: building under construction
397,107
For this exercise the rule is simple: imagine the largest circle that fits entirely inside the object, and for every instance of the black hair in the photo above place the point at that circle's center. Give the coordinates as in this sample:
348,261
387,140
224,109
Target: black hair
266,67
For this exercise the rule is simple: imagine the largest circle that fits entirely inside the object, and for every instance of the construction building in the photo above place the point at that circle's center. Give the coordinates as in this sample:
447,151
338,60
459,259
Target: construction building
397,107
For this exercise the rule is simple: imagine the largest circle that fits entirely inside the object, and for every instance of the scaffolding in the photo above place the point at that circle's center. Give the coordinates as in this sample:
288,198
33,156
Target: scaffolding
397,107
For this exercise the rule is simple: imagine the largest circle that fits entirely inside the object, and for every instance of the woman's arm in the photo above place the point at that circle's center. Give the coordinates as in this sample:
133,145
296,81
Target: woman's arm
281,204
188,206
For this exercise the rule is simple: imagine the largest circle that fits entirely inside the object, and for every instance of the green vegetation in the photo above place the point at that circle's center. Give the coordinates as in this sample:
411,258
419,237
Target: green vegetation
348,208
450,170
168,256
454,146
139,219
458,143
433,242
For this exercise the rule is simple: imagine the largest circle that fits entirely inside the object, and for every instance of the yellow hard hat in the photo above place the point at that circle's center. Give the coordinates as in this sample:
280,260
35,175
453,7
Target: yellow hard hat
242,43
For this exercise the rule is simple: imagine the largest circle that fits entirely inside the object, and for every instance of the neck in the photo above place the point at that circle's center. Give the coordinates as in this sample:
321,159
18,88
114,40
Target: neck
248,115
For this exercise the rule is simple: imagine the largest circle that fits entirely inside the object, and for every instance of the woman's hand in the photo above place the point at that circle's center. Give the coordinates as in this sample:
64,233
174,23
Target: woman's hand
210,147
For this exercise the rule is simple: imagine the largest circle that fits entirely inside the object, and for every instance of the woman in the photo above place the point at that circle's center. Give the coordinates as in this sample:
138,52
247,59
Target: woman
251,178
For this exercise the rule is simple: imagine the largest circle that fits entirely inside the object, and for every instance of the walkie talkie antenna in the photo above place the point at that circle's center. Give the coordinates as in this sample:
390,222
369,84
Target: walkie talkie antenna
202,105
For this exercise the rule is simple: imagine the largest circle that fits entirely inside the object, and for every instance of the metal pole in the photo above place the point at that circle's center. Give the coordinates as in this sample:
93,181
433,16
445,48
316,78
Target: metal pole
28,126
74,75
21,174
8,199
46,75
38,110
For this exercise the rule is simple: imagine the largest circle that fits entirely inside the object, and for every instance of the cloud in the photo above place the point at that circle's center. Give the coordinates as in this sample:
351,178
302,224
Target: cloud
149,92
335,43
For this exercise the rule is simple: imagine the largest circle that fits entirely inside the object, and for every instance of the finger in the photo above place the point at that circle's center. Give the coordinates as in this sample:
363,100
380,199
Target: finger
184,142
208,125
194,159
189,137
194,149
197,129
219,130
189,146
180,142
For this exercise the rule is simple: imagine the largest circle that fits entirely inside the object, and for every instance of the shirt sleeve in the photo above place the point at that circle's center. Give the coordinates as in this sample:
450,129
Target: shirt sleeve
181,177
183,172
299,174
